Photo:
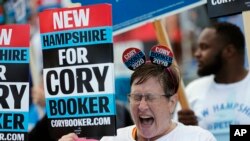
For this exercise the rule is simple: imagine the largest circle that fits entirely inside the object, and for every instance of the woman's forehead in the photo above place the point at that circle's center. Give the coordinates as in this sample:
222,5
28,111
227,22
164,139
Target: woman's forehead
151,84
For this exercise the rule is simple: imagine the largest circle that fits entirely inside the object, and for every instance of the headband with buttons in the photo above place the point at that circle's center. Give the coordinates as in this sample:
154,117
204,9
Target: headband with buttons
159,54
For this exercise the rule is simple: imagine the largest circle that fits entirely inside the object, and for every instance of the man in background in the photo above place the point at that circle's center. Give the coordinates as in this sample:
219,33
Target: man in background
221,96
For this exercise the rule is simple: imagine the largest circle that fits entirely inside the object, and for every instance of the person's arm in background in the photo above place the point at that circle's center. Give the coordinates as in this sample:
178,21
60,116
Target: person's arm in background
40,131
38,96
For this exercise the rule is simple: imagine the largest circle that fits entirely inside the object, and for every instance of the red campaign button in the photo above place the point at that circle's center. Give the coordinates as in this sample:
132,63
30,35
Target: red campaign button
133,58
161,55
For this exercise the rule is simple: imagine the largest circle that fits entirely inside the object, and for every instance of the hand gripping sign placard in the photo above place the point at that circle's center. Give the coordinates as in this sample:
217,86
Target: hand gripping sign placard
14,82
79,70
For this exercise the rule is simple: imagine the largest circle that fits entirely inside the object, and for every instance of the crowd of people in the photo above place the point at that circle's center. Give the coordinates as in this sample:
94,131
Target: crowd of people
218,98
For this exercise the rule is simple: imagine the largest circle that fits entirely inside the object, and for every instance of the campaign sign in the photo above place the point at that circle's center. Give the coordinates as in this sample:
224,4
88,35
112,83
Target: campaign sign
14,82
79,70
217,8
128,14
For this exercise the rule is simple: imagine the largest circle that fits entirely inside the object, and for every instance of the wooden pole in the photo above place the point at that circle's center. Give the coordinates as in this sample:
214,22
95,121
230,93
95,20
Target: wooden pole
246,22
164,40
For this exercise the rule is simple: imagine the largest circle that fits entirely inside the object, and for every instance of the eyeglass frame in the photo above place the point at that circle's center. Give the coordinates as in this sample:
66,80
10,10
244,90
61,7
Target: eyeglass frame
146,96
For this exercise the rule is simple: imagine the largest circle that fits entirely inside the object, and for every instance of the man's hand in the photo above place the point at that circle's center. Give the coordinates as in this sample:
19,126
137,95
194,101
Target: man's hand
187,117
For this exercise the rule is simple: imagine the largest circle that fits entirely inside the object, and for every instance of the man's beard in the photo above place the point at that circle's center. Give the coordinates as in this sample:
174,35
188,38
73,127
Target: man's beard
213,67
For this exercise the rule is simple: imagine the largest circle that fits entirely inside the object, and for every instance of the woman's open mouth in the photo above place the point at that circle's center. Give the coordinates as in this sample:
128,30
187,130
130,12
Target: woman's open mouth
146,120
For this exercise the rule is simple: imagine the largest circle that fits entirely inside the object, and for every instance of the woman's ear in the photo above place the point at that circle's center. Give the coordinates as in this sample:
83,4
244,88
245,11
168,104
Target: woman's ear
172,102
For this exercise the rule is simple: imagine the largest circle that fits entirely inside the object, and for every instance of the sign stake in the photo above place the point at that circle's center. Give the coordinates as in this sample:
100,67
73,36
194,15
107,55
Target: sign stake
163,39
246,22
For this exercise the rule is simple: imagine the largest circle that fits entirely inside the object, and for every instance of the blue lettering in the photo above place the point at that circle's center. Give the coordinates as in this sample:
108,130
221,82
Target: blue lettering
221,125
205,112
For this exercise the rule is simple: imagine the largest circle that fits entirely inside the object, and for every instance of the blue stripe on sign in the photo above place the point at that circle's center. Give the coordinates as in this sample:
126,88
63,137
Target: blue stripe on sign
79,37
14,55
81,106
14,121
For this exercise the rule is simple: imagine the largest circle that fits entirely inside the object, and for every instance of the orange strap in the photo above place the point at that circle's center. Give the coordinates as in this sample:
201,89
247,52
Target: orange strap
134,132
